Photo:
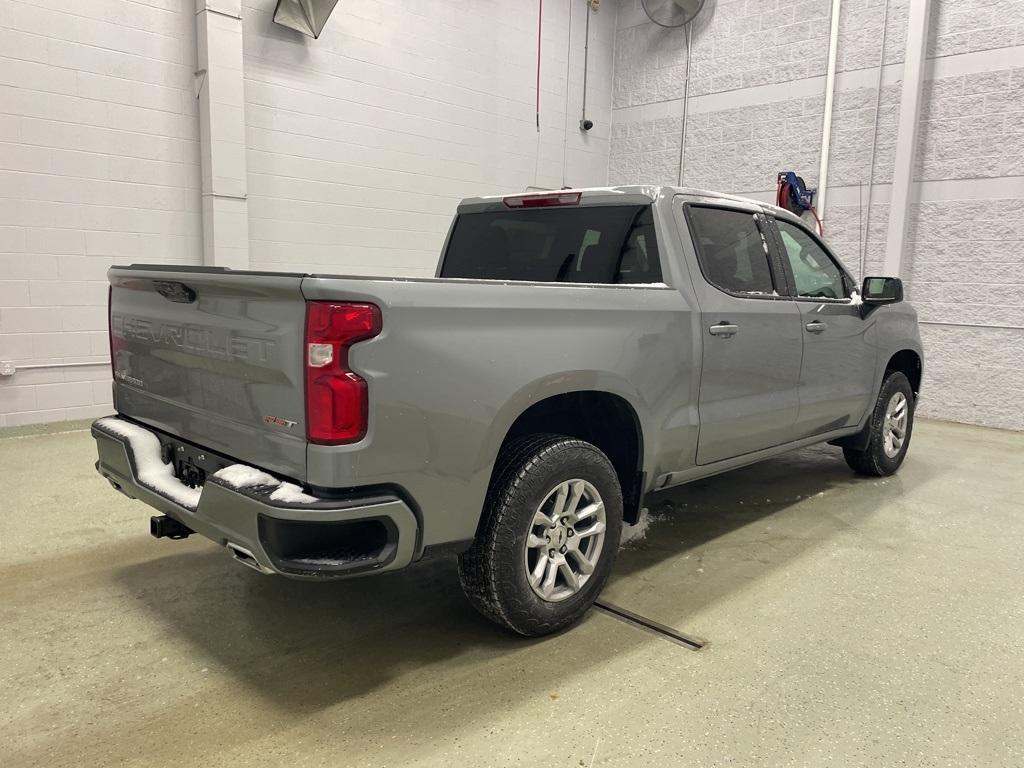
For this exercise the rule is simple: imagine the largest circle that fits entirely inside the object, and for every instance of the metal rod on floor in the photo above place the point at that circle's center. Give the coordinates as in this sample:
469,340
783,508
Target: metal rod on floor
649,625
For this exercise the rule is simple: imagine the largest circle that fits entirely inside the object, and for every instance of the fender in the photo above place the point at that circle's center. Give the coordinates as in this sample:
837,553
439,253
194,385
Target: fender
561,384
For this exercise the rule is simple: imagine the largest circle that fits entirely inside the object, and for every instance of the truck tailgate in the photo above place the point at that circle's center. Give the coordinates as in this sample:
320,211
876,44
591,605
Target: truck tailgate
214,356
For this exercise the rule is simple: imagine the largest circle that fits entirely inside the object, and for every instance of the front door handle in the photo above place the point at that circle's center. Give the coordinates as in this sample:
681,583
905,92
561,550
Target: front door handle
816,326
726,330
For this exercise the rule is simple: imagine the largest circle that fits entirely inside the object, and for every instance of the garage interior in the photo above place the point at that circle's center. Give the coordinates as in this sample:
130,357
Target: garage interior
834,620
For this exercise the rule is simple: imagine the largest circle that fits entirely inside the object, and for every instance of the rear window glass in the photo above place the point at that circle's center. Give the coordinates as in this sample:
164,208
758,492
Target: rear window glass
593,244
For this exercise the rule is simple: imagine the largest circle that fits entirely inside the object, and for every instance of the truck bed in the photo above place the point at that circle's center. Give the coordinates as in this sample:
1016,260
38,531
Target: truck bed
216,357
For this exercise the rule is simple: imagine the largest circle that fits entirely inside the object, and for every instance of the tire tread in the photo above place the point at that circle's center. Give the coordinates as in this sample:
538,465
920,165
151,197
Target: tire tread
872,461
482,568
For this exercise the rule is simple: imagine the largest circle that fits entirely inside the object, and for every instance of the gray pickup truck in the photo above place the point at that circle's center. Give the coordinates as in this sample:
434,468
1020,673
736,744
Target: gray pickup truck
576,351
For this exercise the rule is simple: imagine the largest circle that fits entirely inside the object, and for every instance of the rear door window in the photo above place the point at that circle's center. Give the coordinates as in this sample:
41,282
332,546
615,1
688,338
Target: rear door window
590,244
732,253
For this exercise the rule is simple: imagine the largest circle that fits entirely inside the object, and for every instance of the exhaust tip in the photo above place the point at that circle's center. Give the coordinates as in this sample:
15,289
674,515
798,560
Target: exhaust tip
245,557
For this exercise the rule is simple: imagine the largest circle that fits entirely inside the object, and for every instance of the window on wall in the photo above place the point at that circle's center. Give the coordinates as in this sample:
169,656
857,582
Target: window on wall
732,253
815,273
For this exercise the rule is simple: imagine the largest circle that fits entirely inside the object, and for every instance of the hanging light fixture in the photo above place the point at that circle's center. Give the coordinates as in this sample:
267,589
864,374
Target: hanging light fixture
305,16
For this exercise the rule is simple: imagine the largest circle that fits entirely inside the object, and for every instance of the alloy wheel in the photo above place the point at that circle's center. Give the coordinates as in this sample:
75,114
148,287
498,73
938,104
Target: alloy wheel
565,540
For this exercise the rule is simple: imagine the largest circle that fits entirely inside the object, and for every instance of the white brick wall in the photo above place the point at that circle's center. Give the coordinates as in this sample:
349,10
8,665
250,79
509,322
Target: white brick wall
967,261
736,44
965,26
362,142
359,145
98,165
853,123
737,149
966,256
972,126
860,31
974,375
755,108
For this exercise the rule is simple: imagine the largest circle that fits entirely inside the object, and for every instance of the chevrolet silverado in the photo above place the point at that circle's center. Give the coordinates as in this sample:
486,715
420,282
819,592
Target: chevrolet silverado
575,351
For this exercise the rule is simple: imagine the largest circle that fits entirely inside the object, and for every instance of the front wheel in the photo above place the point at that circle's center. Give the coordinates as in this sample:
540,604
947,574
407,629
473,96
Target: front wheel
891,424
548,535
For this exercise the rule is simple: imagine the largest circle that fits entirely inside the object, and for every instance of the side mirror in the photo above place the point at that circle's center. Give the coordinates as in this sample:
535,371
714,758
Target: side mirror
882,290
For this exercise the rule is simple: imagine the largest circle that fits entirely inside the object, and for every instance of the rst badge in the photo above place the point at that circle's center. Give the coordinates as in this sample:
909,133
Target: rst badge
277,421
125,378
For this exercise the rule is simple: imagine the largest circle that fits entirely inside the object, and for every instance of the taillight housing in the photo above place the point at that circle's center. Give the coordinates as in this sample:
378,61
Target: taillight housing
337,401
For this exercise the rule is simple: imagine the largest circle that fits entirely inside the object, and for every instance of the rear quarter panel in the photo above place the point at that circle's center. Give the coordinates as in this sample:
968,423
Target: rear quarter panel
459,360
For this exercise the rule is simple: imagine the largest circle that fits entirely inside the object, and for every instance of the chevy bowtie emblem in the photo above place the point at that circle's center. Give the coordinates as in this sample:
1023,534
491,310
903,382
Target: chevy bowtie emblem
174,291
277,421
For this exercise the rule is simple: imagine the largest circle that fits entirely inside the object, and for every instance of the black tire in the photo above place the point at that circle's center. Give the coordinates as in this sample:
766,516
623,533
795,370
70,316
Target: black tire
493,571
873,461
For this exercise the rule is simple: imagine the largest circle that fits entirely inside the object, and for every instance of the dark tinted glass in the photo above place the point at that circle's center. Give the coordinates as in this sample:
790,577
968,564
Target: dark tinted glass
593,244
733,255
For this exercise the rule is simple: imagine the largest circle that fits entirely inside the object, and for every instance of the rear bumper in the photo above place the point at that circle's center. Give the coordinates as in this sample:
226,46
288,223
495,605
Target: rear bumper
321,539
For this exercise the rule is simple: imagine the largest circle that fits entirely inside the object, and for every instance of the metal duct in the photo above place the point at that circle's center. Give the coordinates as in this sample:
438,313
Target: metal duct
305,16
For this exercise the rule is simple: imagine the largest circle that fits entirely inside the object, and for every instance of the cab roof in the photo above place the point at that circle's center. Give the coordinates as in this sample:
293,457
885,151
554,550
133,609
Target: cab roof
634,194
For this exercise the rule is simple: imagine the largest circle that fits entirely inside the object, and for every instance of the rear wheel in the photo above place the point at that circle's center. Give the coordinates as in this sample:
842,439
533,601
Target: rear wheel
548,535
890,427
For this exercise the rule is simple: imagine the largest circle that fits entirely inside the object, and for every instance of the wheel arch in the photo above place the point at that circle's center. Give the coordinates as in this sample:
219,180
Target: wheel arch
605,419
907,362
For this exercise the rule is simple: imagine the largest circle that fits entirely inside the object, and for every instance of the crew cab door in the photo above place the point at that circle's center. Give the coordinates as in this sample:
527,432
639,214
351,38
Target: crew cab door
750,329
838,370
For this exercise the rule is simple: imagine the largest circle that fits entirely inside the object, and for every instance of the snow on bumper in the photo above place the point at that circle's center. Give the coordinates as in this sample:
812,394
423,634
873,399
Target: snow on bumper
286,530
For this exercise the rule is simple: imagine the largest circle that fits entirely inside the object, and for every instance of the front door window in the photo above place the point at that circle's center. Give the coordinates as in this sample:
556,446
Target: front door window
815,274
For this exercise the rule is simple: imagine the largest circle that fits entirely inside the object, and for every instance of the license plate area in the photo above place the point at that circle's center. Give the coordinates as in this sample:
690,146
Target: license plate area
191,464
189,474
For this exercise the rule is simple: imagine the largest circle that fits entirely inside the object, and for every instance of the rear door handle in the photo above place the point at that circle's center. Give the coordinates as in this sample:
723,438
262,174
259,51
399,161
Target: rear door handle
816,326
725,330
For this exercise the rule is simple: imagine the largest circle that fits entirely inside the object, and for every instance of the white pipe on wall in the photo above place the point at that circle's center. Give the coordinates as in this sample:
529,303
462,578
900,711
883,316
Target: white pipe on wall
906,135
45,366
221,94
826,125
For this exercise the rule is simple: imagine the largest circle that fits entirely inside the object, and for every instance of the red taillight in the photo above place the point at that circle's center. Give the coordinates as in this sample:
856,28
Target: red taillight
337,406
542,201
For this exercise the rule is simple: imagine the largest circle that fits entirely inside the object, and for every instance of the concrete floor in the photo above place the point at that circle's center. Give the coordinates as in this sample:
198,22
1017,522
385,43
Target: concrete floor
851,622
